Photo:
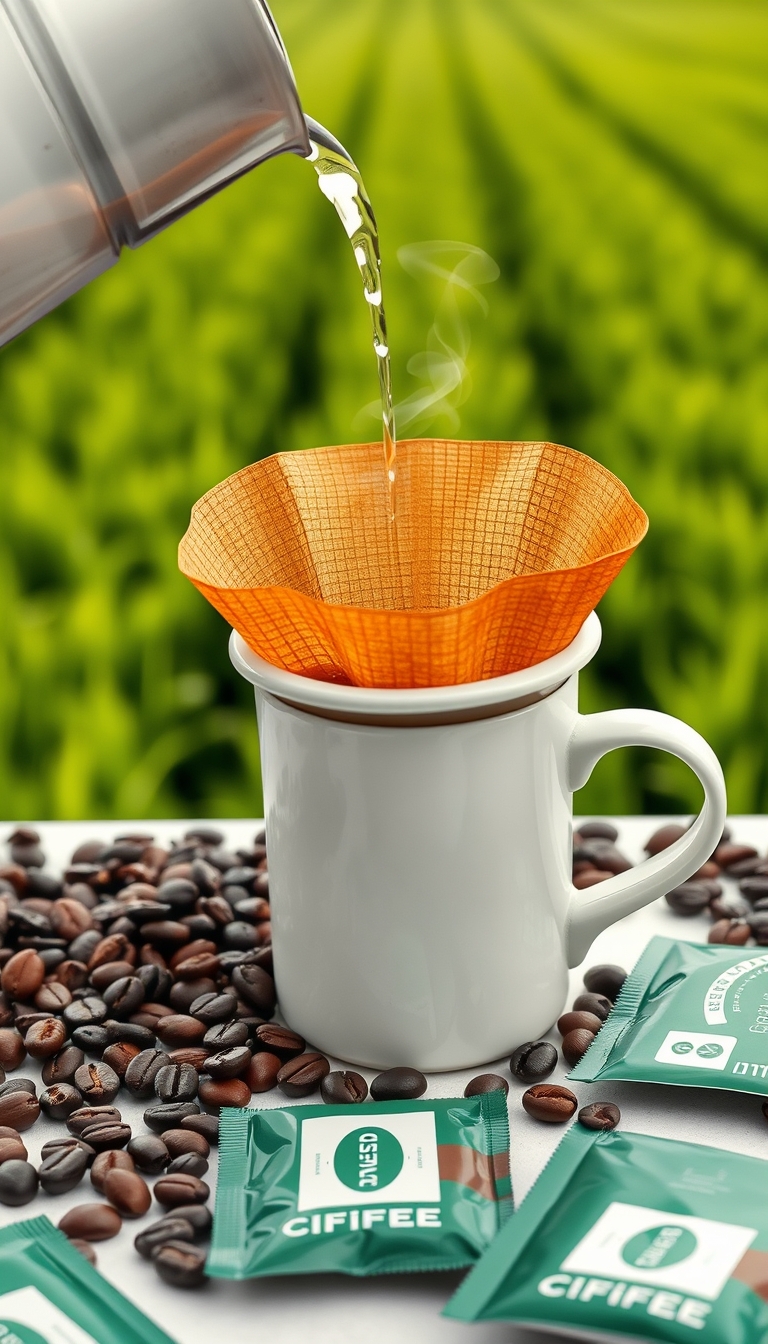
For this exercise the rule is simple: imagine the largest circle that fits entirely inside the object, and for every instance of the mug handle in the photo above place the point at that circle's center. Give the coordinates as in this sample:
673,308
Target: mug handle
593,909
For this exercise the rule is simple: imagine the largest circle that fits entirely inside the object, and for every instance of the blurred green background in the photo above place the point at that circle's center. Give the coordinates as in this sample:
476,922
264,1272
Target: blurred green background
611,156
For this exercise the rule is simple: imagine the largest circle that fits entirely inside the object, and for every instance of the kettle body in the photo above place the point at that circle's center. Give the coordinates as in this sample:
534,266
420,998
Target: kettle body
117,117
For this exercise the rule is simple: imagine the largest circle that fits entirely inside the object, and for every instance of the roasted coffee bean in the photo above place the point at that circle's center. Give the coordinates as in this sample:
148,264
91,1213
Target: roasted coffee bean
746,867
124,997
87,1012
690,898
207,1125
119,1056
261,1075
257,987
664,837
19,1110
91,1222
217,909
200,967
161,1117
63,1170
340,1088
185,993
229,1063
216,1093
578,1022
195,1055
80,1120
758,924
174,1191
149,1153
606,980
23,975
18,1183
50,956
199,1215
105,1134
533,1061
180,1264
278,1041
754,887
115,947
165,933
69,918
98,1083
93,1040
548,1102
59,1101
733,931
191,1164
728,906
18,1085
28,1018
12,1149
81,949
107,1161
164,1230
179,1142
180,893
213,1008
240,935
600,1115
598,1004
128,1192
589,877
176,1082
576,1044
728,853
398,1084
140,1075
486,1082
45,1038
157,983
53,997
12,1049
66,1145
72,974
85,1249
129,1033
598,830
179,1029
108,974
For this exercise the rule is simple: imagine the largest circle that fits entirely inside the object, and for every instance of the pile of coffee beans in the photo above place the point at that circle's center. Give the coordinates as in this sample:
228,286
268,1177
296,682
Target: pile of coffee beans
739,911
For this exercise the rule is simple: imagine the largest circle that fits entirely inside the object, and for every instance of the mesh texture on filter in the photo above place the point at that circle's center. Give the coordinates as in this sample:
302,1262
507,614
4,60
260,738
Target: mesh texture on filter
499,553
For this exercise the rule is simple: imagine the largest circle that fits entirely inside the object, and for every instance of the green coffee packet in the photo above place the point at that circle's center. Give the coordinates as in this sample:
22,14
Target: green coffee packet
373,1189
629,1237
691,1014
49,1294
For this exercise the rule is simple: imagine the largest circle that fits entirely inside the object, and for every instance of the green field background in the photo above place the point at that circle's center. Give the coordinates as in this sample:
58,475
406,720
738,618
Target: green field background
611,156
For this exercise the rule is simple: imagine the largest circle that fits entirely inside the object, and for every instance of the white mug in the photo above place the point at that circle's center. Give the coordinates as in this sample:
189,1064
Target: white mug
420,854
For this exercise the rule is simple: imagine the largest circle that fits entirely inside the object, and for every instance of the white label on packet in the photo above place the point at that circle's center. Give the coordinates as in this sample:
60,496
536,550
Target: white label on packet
666,1250
346,1161
28,1307
695,1049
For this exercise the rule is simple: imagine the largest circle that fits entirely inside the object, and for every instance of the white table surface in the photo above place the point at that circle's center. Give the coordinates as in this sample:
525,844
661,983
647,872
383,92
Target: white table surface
325,1309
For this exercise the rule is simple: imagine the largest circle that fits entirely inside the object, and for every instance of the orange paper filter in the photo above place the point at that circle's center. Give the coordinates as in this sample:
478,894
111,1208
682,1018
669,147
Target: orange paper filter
499,553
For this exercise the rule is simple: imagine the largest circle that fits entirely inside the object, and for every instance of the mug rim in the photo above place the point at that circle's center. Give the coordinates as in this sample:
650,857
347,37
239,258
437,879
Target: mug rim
304,692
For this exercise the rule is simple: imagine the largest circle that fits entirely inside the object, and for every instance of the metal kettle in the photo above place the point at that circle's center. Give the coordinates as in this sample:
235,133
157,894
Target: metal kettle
117,117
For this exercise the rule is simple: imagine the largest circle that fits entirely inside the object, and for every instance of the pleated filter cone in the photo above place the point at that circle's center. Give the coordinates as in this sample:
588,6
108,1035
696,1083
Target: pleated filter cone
499,553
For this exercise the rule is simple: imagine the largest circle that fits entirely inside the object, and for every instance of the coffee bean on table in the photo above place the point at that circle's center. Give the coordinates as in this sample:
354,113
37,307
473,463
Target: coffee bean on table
256,986
52,998
690,898
22,976
599,1004
207,1125
128,1192
486,1082
302,1075
735,932
398,1084
227,1036
263,1070
92,1039
129,1033
19,1110
598,830
149,1153
277,1040
182,1141
63,1066
98,1083
141,1073
18,1085
550,1103
190,1163
119,1056
343,1087
199,1215
533,1061
664,837
213,1008
599,1115
575,1044
180,1029
107,1161
125,996
12,1148
91,1222
174,1191
92,1115
18,1182
63,1170
85,1248
195,1055
228,1063
60,1101
215,1093
107,1134
605,979
729,905
176,1082
66,1145
12,1049
161,1117
180,1264
88,1012
578,1021
165,1229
